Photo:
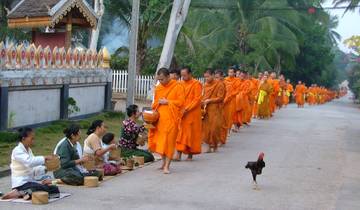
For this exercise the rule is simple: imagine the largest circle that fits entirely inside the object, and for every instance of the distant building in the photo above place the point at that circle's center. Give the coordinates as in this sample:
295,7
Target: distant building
52,22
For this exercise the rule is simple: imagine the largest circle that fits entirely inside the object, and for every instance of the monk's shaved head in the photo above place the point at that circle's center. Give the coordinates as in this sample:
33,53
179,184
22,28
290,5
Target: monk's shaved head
186,73
163,76
163,71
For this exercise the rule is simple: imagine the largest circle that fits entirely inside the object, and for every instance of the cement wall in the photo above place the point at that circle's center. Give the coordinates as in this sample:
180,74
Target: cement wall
28,107
35,96
89,99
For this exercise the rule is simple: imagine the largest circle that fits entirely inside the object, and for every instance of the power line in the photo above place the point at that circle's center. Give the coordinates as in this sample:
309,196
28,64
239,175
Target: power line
234,7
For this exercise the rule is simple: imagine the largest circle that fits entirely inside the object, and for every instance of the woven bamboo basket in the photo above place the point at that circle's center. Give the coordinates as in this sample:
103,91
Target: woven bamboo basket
130,163
53,164
115,154
90,165
139,160
40,197
91,181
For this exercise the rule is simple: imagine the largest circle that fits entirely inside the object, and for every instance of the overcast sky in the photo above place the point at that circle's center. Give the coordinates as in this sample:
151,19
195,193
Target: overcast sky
348,24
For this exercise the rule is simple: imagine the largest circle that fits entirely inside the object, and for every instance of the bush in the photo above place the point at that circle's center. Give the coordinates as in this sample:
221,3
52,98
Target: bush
9,137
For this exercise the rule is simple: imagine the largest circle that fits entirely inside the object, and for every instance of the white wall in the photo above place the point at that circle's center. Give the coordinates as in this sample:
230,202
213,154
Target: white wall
88,99
34,106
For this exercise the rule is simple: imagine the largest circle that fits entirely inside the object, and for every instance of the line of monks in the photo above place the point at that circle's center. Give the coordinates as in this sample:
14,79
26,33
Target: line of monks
192,113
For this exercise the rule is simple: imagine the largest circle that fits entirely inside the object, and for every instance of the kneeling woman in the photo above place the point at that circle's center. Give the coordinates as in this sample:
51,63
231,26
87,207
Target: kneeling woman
129,134
93,146
71,171
25,167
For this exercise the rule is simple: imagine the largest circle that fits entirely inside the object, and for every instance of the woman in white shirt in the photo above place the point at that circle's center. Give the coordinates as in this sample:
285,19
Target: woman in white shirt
25,167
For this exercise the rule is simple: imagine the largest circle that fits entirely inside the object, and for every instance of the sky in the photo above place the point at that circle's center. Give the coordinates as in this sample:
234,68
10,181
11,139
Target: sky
348,24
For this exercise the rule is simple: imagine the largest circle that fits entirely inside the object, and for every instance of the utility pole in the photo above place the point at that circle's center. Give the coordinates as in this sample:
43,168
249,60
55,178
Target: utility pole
132,52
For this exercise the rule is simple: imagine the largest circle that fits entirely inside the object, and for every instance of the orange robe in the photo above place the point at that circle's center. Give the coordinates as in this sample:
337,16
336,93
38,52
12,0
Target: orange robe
265,91
243,107
289,90
281,93
162,138
211,126
300,91
275,86
256,85
311,96
189,137
232,88
224,129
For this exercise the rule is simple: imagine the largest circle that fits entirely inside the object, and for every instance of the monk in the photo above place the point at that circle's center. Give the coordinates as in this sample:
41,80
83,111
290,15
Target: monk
275,93
265,91
212,100
232,88
282,91
168,101
257,83
243,107
175,74
219,76
289,90
300,91
311,95
189,137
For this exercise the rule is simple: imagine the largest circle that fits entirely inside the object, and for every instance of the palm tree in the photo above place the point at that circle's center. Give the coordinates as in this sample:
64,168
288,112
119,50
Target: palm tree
152,24
352,4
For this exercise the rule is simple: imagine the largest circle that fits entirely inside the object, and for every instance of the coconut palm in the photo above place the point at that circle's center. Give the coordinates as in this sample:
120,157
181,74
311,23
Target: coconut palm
152,22
351,4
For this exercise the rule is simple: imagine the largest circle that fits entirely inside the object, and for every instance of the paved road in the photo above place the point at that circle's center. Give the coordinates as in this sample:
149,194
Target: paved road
312,157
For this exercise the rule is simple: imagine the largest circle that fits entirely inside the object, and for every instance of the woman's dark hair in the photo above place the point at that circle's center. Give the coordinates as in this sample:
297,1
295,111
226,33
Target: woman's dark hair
94,125
73,129
132,109
107,138
23,133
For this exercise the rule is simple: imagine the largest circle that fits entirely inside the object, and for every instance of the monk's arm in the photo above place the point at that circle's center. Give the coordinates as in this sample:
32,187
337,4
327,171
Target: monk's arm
219,95
179,98
197,98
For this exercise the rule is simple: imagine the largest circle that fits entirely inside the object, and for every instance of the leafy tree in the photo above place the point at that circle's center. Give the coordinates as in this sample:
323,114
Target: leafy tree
5,32
152,24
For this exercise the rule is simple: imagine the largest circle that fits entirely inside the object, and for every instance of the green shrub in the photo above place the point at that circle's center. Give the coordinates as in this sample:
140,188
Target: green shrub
8,136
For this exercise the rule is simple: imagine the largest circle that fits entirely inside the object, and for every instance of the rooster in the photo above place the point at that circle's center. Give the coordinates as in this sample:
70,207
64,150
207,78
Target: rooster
256,168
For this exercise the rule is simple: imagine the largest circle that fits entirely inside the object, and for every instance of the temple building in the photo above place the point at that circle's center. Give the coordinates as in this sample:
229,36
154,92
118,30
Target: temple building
52,22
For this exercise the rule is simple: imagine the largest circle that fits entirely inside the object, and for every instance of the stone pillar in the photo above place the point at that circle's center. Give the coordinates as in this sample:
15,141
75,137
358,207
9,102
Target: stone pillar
64,96
4,102
108,96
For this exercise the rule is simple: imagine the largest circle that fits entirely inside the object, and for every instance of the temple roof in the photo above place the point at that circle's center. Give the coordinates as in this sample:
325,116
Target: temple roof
40,13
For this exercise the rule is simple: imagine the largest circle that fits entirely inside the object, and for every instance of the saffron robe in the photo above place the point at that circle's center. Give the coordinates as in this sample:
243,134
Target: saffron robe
211,129
162,138
189,138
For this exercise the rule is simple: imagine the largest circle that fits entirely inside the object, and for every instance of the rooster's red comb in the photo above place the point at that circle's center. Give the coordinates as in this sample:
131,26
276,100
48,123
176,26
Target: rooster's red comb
261,155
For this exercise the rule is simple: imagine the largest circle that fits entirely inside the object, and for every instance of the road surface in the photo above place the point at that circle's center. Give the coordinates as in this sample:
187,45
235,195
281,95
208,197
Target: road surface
312,162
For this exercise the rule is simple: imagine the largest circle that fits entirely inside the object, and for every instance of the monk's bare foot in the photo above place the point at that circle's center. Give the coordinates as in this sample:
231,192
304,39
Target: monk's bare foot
215,149
189,158
11,195
166,171
208,151
161,168
176,159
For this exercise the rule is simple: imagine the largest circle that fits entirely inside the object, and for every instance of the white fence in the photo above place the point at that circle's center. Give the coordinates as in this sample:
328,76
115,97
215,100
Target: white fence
143,83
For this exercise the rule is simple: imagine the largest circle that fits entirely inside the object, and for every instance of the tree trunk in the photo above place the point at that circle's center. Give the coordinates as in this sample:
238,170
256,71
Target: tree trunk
99,10
178,15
